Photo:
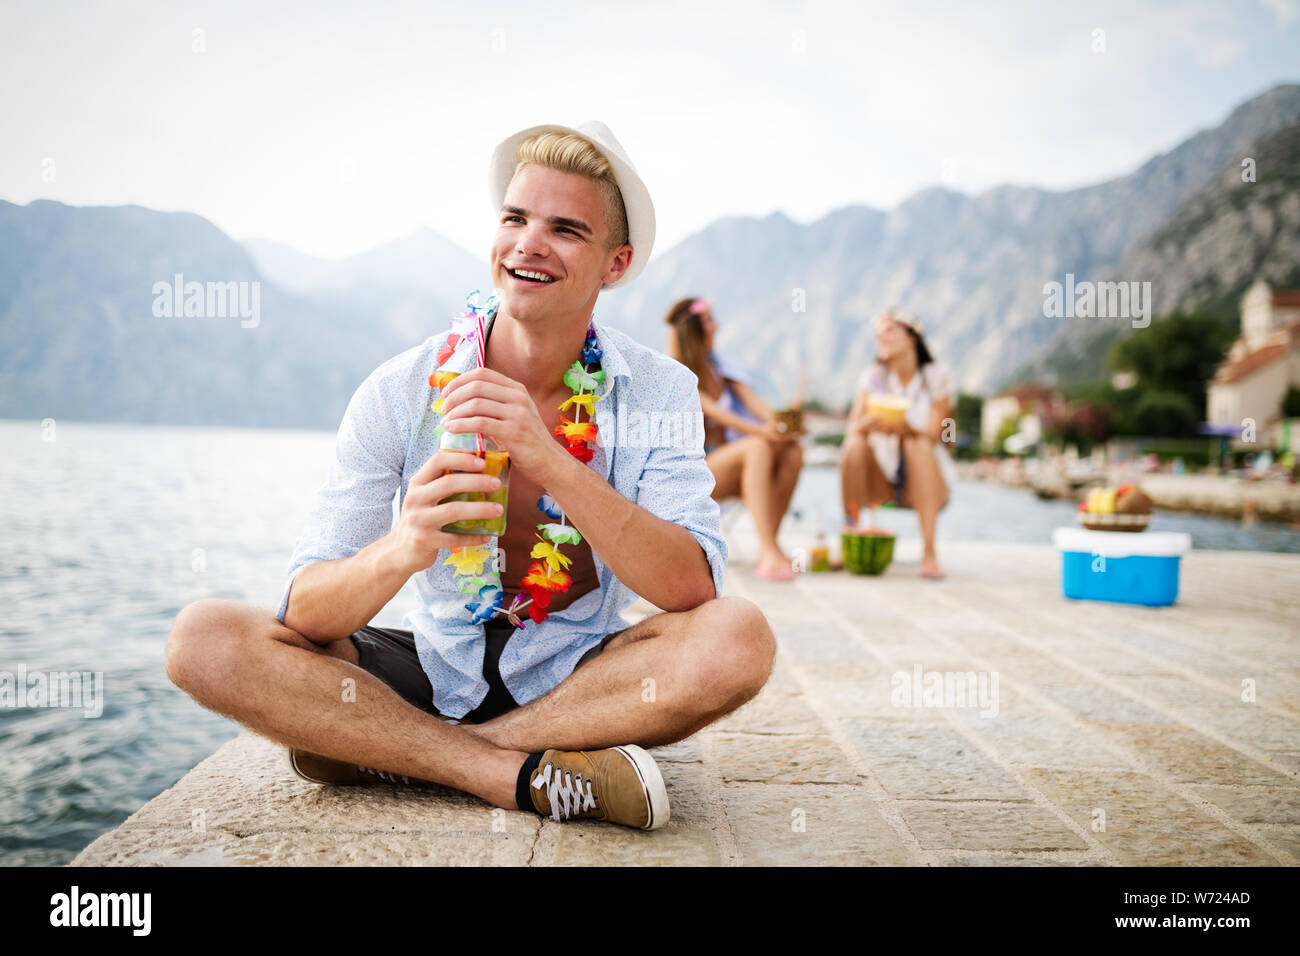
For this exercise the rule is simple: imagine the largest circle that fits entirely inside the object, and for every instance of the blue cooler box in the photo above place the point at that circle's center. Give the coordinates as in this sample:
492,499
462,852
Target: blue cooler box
1128,567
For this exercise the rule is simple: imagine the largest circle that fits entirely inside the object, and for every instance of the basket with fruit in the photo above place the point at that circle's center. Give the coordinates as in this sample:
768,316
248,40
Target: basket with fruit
1125,508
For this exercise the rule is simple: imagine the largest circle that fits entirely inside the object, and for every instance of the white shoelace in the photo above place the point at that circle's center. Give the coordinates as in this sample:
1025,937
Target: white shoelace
565,797
385,775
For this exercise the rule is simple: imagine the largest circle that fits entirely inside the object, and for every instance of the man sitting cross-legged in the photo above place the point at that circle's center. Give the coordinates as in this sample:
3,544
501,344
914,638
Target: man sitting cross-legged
542,704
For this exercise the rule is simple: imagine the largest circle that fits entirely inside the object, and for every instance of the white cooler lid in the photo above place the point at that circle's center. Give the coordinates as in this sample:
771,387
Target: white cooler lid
1123,544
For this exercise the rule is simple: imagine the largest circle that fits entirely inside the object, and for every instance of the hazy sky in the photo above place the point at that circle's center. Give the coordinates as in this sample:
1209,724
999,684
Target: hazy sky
337,126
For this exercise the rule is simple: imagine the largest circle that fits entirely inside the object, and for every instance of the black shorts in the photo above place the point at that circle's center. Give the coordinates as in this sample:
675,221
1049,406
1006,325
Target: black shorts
389,653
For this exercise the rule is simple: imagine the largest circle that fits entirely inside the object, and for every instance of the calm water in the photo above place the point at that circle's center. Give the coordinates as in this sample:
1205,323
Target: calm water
109,530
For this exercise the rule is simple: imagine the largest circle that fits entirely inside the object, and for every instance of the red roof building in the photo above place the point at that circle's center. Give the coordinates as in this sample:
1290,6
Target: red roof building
1249,387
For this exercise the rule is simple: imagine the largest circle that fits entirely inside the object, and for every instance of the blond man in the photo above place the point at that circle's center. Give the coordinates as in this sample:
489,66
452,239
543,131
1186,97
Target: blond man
554,716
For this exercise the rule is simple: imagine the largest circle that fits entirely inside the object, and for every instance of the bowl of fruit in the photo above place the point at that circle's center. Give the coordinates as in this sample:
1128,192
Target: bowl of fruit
889,409
1125,508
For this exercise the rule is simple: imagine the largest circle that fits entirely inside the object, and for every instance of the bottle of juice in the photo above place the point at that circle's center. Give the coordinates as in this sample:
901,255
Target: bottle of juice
498,465
820,559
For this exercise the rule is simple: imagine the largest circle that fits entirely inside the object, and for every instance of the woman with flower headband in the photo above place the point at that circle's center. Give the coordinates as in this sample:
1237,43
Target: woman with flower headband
745,448
906,460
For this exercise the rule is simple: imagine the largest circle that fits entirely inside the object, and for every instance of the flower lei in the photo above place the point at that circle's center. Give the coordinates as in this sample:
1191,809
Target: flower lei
547,575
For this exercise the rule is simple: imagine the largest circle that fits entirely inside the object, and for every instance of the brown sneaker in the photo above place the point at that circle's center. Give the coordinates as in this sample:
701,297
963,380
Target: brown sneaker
325,770
618,785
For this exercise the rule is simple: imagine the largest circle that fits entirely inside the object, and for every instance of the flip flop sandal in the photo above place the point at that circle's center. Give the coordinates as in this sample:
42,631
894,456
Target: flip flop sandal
773,575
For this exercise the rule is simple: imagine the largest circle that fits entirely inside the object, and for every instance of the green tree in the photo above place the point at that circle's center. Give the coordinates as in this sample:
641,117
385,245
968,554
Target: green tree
1291,404
967,413
1175,354
1165,414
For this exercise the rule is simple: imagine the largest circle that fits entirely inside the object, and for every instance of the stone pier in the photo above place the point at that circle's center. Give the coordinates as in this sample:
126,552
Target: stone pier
1040,732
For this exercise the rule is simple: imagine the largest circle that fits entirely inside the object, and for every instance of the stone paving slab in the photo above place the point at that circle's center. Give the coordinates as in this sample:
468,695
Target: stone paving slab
1120,737
1253,804
785,759
1185,756
929,762
1286,839
793,824
984,826
1145,824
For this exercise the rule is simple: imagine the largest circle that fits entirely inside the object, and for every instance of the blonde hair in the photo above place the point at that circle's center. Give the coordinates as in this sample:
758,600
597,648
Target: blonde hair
571,153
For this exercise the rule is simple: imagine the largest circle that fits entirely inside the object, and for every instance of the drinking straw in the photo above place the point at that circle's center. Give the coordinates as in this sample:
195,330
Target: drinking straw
482,361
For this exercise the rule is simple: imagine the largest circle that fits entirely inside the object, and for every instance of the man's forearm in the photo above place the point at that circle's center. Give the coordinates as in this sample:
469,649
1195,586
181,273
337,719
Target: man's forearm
659,560
330,600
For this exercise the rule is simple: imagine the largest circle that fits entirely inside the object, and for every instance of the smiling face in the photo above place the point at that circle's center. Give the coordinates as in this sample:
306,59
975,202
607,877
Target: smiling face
708,325
892,340
552,228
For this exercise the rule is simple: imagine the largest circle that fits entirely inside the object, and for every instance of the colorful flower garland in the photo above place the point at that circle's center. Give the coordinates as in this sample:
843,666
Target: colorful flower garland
548,574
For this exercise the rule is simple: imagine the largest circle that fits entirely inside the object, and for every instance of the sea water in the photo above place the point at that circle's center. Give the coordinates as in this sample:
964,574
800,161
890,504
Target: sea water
107,531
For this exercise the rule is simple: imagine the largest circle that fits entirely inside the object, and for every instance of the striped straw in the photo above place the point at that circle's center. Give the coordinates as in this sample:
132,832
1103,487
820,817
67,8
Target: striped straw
482,361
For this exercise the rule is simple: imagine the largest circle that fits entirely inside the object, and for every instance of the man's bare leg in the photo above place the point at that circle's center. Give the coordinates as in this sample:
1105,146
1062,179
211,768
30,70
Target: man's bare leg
242,662
657,682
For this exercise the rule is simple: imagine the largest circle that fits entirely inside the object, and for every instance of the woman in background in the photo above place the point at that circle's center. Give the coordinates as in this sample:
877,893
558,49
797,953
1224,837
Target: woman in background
907,462
747,453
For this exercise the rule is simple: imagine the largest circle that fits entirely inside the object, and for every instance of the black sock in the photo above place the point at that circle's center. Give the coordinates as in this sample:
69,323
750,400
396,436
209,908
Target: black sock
523,790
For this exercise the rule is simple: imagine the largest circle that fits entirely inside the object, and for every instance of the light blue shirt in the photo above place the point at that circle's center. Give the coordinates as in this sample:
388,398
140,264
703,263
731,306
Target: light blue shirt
649,447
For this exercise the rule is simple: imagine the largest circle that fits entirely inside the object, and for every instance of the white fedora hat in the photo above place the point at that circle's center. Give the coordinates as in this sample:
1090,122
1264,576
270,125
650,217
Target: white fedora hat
636,198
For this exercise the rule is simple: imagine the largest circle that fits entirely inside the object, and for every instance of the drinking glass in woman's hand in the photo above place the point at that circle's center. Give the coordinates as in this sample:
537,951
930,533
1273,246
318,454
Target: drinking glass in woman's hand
773,432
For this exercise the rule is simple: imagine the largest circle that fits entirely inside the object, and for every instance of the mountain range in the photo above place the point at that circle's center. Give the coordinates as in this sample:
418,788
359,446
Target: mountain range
80,336
1241,225
972,267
